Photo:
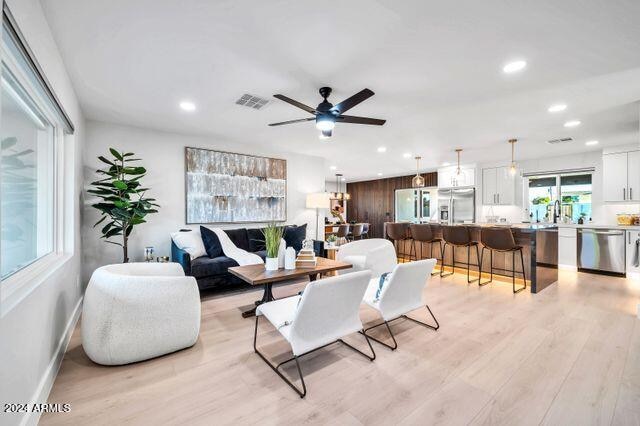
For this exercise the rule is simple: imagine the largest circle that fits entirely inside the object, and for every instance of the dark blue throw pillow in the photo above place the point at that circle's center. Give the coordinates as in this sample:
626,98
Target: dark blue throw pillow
294,236
211,242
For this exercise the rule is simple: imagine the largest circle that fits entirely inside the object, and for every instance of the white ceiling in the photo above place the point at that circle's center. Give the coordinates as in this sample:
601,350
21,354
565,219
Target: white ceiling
436,68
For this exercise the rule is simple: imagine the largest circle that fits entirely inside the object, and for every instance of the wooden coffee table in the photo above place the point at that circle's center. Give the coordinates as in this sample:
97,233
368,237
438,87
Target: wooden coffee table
258,275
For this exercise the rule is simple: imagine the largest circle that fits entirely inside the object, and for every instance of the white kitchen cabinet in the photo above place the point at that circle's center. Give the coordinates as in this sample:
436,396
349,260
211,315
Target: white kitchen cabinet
449,178
620,176
633,271
568,248
633,175
498,187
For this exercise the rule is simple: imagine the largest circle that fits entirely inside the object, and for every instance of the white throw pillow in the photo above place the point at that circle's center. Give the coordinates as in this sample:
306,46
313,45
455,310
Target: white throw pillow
191,242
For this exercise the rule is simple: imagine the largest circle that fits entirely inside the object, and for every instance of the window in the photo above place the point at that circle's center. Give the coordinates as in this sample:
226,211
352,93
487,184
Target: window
26,180
573,190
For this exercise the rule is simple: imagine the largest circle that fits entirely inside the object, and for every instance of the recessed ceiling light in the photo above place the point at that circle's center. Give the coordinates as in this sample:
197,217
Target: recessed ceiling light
557,108
514,66
591,143
445,164
407,155
572,123
333,167
187,106
382,149
379,174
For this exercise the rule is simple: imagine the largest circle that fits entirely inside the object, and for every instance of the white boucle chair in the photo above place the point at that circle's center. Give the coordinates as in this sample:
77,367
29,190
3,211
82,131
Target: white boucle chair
137,311
327,311
375,254
400,294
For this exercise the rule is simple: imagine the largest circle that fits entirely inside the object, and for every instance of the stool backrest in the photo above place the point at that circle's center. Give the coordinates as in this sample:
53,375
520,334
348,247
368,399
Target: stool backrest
365,228
343,230
397,231
356,230
421,232
458,235
436,230
497,238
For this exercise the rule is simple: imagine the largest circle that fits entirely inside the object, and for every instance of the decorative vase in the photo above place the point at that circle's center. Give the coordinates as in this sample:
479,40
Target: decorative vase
290,258
271,264
281,253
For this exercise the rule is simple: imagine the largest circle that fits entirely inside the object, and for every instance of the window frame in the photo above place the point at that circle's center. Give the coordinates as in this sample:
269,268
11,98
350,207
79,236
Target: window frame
558,178
19,284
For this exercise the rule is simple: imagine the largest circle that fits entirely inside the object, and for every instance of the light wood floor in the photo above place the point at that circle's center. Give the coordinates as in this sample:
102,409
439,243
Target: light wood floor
569,355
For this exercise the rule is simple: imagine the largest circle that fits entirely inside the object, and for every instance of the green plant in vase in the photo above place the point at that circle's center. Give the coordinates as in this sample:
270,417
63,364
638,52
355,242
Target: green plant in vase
272,235
123,204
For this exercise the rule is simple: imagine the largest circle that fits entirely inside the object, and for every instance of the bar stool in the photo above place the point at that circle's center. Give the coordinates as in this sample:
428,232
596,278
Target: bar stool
399,232
365,230
343,231
501,240
459,236
356,232
423,233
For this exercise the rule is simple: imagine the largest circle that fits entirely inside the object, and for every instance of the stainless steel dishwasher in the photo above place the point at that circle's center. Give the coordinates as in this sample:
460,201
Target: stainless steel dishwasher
602,250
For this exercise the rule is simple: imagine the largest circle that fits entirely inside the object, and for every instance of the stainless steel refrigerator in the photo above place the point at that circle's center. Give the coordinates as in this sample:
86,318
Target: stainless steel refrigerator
456,205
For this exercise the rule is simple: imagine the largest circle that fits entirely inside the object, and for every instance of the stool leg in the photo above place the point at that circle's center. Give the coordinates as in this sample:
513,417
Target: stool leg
469,280
453,257
524,278
431,252
480,283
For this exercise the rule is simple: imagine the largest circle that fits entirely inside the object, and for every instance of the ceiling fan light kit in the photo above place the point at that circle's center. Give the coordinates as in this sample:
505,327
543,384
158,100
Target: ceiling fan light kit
326,114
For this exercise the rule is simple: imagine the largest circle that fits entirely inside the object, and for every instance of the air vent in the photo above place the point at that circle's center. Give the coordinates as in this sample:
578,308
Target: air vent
251,101
559,141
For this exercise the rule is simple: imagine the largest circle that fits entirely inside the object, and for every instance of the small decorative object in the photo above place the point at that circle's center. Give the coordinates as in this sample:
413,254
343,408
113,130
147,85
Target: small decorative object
272,236
148,254
307,244
337,212
163,259
290,258
281,254
331,240
306,258
123,203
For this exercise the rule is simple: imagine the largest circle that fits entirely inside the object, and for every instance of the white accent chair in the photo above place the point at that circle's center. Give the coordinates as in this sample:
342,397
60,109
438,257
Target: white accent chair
401,294
137,311
327,311
375,254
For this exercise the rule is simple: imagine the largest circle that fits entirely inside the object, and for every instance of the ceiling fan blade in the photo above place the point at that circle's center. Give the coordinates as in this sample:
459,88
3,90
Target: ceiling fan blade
360,120
354,100
296,103
300,120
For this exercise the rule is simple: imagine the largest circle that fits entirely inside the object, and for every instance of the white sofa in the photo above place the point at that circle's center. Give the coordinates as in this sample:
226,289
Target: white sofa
137,311
375,254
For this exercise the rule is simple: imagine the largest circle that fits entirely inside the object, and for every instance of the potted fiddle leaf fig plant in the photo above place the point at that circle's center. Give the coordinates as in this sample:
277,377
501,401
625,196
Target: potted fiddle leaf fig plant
272,235
123,203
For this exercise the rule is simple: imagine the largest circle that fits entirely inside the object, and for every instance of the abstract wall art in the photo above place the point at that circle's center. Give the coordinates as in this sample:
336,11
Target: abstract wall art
224,187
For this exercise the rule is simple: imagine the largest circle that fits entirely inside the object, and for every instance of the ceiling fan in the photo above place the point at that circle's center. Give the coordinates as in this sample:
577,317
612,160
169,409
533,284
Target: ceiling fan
326,114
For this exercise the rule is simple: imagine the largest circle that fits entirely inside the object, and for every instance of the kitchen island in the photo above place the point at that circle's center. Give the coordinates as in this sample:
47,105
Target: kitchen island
539,248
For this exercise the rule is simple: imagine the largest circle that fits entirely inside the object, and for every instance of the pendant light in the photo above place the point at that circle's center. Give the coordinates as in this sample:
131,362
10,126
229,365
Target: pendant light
418,180
512,168
458,171
339,195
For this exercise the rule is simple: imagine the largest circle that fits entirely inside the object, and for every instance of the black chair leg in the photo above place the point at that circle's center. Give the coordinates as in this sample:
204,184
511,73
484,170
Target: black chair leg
436,327
395,344
513,265
469,280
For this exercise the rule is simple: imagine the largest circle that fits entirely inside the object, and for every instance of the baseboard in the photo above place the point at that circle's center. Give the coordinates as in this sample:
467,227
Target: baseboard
568,268
41,395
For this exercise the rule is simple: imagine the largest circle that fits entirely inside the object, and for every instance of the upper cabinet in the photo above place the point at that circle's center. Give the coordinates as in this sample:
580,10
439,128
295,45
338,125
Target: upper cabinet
449,178
498,187
621,176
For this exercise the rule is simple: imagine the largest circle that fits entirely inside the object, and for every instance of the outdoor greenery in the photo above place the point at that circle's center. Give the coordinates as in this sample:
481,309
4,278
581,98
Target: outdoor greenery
272,236
123,204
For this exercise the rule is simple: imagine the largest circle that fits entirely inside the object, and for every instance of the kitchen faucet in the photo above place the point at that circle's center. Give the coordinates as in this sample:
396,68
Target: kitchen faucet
556,211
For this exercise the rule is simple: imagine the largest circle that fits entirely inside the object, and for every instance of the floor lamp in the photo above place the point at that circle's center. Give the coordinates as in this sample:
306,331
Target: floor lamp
318,200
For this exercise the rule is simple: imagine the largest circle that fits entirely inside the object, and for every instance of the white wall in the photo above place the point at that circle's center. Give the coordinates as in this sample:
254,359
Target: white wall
603,213
33,332
163,156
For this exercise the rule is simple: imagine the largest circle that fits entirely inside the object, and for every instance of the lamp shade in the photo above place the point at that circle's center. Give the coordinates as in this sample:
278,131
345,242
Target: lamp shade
318,200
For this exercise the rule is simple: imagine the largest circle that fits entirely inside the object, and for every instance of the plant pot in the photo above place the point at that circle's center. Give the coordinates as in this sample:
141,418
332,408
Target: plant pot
271,264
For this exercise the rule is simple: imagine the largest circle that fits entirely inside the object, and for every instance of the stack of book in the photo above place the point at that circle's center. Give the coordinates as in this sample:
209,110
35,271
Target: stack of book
306,259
